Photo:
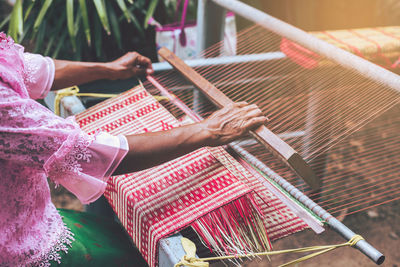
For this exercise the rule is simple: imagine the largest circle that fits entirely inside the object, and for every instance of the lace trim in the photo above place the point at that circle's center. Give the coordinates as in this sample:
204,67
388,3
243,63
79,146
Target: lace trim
30,69
77,148
79,153
63,243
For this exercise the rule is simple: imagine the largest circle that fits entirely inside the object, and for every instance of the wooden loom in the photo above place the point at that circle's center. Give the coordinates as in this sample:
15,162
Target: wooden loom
377,74
383,79
221,100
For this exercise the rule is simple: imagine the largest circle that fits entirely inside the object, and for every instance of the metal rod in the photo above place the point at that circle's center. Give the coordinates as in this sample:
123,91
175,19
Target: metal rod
204,62
344,58
210,25
339,227
307,217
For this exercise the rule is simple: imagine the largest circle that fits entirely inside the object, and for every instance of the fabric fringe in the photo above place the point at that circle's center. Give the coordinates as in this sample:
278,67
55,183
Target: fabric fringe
234,229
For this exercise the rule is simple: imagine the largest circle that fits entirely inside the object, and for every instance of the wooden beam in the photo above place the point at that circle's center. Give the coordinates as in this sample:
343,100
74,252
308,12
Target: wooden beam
276,145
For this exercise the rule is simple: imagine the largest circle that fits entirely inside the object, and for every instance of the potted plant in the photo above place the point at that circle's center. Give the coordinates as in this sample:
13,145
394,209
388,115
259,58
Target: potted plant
82,29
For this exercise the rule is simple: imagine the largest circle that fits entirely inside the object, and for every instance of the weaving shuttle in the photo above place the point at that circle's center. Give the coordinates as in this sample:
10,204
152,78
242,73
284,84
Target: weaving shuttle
275,144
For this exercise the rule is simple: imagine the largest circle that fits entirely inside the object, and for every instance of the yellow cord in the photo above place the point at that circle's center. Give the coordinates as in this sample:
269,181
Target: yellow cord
74,91
190,248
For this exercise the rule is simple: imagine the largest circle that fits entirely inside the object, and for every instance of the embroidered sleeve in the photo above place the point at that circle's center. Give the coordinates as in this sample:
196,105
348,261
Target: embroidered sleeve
33,135
38,75
84,163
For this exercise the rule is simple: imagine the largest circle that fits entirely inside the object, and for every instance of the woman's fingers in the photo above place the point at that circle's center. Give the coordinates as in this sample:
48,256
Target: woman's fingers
130,64
252,110
254,122
234,121
240,104
144,64
248,112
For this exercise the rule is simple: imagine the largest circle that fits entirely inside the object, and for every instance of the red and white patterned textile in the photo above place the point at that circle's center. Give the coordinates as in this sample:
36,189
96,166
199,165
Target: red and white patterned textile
157,202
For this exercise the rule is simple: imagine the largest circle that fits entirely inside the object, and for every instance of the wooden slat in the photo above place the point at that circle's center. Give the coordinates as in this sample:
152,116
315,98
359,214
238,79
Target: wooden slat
279,147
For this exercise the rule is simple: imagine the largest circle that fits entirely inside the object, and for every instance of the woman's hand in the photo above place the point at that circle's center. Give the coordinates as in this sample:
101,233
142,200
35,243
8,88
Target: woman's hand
232,122
130,64
69,73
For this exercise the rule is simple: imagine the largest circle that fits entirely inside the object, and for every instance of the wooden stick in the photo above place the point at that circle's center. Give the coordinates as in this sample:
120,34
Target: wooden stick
279,147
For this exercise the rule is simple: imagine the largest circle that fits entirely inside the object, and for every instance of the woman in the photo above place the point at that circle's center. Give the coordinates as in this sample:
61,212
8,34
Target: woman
36,144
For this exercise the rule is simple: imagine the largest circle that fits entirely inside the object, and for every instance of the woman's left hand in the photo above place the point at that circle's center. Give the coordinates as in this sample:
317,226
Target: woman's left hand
231,123
130,64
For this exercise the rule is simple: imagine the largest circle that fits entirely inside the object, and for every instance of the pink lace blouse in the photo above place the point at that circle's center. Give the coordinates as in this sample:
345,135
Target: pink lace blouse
36,144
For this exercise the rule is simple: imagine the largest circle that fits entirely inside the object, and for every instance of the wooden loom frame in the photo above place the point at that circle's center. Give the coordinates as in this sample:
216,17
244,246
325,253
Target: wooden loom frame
170,250
368,69
220,99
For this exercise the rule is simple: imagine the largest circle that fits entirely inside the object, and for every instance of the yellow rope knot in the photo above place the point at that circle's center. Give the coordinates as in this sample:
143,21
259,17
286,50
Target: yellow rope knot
70,91
353,241
190,258
192,262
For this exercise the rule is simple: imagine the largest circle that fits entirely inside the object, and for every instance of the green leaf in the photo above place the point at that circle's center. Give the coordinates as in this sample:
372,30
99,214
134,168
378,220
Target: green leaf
97,38
85,17
5,21
135,21
16,22
77,23
55,34
40,37
60,44
27,29
141,5
122,6
150,12
70,22
80,42
42,13
28,10
115,26
101,11
50,44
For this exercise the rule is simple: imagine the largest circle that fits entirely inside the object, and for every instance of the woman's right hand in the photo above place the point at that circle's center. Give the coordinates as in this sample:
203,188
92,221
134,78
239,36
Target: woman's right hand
232,122
130,64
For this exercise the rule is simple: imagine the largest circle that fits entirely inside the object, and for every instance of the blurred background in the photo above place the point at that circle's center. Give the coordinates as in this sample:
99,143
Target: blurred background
103,30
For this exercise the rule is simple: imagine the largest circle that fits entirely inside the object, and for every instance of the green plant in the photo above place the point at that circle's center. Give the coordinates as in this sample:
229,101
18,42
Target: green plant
81,29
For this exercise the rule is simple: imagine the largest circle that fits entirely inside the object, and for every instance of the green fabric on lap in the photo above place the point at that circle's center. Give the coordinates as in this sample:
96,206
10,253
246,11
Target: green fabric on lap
98,242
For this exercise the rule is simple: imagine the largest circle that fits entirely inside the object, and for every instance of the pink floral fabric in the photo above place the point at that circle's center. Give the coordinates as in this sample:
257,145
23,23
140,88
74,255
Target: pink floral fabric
36,144
38,75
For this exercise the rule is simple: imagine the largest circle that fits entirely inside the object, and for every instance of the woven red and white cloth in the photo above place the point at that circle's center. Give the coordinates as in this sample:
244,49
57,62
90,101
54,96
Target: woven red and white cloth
160,201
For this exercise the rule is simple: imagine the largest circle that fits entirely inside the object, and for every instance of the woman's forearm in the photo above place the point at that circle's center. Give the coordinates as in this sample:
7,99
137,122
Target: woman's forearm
69,73
151,149
223,126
